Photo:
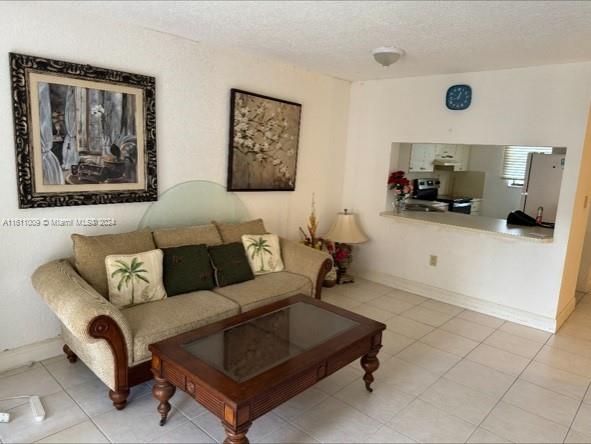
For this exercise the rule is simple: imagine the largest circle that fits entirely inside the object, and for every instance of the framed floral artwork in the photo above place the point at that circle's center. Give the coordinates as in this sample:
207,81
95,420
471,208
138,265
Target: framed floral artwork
83,135
264,137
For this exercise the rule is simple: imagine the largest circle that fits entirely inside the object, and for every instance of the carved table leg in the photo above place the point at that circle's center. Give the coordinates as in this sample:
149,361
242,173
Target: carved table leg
70,354
370,364
236,436
163,391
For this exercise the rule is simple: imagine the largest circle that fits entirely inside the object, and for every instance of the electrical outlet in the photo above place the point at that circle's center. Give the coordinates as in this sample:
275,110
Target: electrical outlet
433,260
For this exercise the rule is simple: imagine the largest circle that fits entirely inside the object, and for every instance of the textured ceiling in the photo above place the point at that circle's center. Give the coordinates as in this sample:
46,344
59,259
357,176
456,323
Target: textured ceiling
336,38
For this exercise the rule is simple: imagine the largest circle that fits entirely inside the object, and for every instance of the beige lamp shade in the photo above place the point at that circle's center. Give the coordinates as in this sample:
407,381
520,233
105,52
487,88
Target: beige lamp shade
345,230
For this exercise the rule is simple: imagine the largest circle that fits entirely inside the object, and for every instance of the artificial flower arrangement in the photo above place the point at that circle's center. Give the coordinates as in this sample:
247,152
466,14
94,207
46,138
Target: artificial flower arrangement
401,186
310,239
341,255
337,251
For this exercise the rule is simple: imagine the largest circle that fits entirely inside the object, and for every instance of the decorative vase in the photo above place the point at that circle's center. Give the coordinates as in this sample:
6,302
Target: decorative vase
399,204
330,279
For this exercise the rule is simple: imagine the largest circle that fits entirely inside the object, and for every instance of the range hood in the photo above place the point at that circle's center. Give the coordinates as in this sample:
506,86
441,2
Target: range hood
447,161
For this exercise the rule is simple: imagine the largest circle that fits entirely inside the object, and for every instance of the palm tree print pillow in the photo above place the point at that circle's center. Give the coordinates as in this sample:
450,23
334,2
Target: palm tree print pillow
135,278
263,252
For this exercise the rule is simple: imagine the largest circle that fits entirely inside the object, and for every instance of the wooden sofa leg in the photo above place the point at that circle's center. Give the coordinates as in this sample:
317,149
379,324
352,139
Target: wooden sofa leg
70,354
324,269
119,398
104,327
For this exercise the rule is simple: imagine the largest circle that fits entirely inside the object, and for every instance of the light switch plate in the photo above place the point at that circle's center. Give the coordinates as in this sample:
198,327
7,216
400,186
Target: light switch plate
4,417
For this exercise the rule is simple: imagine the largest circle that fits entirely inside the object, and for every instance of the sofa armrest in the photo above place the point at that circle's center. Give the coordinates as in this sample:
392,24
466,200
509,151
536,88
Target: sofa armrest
78,306
309,262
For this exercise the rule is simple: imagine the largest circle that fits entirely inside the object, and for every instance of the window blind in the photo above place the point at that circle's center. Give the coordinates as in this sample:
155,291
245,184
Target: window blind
515,160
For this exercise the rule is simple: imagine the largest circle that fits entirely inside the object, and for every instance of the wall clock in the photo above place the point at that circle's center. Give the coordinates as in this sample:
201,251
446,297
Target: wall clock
458,97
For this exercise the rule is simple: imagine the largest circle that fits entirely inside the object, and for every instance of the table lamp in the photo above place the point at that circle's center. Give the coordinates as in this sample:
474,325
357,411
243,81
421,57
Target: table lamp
344,232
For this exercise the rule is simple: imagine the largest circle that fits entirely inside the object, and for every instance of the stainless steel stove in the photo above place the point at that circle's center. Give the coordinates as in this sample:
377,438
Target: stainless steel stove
428,189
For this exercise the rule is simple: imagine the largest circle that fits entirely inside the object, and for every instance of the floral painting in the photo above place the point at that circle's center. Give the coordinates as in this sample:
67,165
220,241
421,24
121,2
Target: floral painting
264,136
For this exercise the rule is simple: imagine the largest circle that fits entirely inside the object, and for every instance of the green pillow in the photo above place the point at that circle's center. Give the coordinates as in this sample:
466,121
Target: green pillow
230,264
187,269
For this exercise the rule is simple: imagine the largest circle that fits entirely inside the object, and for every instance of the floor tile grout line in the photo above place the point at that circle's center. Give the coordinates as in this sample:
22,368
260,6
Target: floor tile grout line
497,328
443,375
101,431
296,426
570,427
505,393
192,421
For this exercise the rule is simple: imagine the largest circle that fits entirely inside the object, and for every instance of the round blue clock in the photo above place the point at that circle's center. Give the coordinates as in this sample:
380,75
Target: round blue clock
458,97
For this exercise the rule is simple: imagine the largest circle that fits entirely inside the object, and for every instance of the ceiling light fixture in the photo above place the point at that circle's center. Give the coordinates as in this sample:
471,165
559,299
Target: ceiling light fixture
386,55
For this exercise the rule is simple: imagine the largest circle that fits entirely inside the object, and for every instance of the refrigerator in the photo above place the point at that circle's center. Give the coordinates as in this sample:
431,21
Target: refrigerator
541,187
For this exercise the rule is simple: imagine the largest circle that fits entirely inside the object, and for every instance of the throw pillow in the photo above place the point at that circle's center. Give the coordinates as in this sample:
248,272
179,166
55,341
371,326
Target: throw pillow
234,232
263,252
187,269
90,253
230,264
135,278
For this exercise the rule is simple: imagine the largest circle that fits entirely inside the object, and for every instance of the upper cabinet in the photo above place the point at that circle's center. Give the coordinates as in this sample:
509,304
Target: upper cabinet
462,156
422,156
455,156
425,157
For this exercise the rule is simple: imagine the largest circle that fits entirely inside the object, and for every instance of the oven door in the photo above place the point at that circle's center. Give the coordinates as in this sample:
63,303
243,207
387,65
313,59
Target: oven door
461,207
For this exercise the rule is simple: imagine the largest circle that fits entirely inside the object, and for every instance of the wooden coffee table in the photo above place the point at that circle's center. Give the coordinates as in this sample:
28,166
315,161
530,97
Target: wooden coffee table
242,367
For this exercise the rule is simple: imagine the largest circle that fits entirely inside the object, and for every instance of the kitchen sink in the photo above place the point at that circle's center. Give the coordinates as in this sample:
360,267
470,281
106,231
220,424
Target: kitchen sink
423,208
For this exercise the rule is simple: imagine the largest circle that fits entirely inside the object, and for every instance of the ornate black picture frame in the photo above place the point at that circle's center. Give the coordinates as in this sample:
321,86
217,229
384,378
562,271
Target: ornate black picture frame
83,135
263,142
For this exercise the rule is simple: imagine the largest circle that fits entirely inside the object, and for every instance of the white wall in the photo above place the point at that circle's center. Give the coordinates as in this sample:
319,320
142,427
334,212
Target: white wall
193,84
498,199
537,106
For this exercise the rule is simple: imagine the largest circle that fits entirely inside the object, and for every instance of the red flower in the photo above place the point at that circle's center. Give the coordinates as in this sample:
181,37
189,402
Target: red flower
397,181
395,176
341,255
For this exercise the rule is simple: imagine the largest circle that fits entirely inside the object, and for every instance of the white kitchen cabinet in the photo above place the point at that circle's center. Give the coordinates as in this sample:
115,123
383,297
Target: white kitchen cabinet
476,207
445,151
422,156
463,157
453,153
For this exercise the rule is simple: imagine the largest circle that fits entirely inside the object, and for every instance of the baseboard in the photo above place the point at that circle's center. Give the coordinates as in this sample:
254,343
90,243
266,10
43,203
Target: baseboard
565,313
486,307
17,357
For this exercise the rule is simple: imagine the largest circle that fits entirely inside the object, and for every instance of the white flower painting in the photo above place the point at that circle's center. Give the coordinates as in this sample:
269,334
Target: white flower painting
263,143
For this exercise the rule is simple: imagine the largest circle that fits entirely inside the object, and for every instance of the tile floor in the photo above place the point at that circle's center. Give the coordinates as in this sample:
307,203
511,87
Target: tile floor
446,375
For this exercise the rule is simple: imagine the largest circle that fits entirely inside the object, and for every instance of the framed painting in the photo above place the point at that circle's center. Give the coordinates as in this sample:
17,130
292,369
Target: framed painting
264,137
83,135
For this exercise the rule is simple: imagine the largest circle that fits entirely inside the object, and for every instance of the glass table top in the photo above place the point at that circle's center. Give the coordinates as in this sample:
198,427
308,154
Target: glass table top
248,349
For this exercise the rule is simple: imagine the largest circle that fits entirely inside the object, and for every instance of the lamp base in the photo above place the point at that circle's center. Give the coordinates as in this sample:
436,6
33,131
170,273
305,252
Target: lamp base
345,279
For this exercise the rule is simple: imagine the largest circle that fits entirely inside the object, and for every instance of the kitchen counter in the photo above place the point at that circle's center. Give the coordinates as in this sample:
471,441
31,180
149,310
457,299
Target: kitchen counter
475,223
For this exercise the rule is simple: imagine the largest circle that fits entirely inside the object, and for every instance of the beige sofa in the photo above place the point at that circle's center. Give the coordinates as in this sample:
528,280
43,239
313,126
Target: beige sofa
114,342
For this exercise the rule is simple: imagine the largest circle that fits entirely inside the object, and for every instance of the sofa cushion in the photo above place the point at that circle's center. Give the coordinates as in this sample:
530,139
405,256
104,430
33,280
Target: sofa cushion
187,269
234,232
230,264
135,278
193,235
160,320
90,253
266,288
263,252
